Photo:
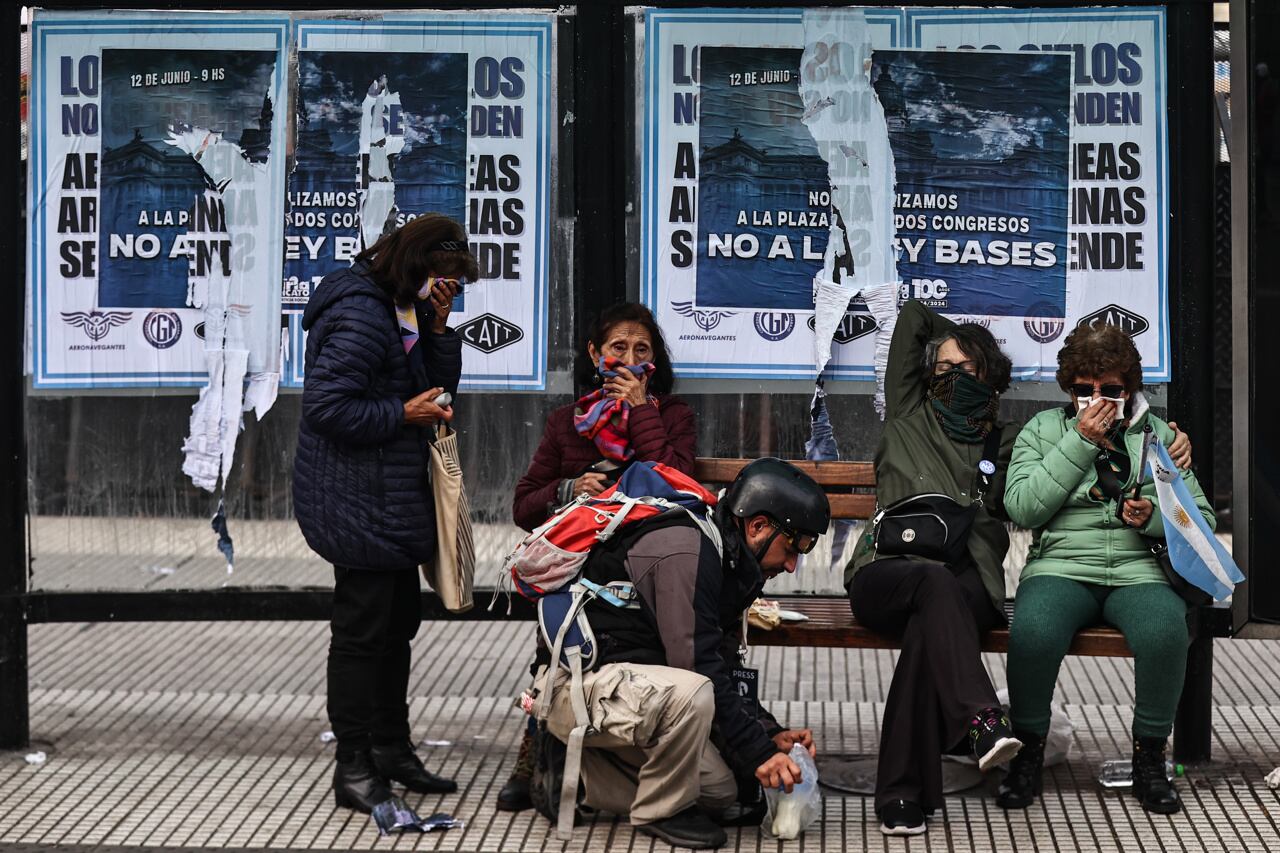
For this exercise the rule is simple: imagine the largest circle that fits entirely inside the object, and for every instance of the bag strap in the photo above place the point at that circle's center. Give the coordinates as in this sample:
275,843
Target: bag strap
573,748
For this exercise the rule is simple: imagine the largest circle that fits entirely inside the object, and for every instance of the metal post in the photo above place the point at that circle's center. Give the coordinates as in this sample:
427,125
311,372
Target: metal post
1193,725
598,152
1191,169
15,723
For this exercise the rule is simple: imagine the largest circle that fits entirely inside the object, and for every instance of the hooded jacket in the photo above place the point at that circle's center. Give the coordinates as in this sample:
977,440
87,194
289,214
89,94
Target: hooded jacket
1076,535
360,484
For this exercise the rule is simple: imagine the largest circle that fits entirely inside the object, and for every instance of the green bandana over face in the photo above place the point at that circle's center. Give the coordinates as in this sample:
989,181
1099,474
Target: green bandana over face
965,407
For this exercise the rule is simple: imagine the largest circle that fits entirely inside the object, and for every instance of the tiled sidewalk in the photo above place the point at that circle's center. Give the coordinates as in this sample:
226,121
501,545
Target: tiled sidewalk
207,735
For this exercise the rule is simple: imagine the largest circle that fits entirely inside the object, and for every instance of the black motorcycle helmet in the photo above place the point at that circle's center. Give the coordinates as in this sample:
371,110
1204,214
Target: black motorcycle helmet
789,497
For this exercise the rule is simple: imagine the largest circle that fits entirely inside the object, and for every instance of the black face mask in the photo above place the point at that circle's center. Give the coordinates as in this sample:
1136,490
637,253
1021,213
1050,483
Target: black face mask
965,406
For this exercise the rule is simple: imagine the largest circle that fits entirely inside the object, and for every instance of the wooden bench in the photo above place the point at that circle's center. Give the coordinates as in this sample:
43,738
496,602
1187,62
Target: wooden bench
850,487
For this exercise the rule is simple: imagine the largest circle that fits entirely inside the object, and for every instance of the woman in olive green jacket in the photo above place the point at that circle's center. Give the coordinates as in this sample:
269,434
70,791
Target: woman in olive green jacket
941,436
1073,482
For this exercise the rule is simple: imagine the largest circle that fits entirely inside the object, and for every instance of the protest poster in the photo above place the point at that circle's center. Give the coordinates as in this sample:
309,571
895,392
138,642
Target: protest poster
1005,167
405,115
156,178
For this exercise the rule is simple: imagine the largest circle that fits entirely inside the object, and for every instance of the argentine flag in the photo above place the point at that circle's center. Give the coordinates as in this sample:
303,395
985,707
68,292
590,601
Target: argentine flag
1194,551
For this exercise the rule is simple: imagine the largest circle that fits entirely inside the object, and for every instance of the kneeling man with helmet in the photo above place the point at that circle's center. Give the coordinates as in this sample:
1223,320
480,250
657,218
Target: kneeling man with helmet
671,740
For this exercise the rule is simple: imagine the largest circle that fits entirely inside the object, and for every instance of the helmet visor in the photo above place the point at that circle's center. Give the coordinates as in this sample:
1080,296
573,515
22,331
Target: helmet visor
801,543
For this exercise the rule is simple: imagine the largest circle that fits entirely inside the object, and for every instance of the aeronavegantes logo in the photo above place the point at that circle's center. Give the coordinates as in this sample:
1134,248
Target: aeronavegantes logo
96,324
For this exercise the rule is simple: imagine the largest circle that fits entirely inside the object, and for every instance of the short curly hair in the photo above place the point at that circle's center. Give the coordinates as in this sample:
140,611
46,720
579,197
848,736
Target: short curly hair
1096,351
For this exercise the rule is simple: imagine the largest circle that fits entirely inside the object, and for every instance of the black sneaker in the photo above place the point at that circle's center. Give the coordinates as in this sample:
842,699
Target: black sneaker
991,738
901,817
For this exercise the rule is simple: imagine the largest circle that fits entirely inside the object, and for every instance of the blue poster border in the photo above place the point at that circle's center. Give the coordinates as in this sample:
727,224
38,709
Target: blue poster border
910,21
654,23
41,29
540,31
1155,15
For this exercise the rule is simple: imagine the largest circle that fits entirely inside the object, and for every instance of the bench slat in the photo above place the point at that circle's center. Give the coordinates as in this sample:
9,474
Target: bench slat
714,470
832,625
852,507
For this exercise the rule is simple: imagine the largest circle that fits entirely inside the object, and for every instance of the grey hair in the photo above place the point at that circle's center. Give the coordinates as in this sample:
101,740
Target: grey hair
931,350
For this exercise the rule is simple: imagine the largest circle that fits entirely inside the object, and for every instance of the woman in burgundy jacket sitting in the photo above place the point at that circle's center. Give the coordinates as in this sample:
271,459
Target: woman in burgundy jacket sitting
627,415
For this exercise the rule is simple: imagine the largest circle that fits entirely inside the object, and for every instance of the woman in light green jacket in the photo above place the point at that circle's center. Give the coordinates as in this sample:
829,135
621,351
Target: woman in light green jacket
1072,481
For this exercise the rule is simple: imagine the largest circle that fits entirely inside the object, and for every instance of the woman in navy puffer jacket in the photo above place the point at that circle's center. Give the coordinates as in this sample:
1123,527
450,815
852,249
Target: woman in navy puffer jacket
379,354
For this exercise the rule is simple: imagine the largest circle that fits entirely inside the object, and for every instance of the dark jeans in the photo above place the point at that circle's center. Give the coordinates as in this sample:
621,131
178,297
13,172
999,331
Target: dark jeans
939,682
375,615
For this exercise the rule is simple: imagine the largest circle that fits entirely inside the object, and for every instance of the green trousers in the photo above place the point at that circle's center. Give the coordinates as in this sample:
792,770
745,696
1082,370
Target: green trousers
1048,612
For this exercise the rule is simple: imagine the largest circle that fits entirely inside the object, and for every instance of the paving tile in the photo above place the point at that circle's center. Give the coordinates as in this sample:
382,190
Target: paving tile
206,736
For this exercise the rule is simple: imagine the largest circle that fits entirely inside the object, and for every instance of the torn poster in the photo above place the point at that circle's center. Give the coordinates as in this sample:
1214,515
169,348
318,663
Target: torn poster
449,113
1021,154
861,195
156,196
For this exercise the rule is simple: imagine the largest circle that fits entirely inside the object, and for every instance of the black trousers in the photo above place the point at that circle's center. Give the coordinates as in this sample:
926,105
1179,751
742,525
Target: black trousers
375,616
939,682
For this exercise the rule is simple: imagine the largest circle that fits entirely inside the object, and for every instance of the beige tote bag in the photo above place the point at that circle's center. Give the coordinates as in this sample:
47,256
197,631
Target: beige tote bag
452,573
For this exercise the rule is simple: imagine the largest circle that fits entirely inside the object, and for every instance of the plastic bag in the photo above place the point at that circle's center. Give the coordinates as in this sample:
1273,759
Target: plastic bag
789,815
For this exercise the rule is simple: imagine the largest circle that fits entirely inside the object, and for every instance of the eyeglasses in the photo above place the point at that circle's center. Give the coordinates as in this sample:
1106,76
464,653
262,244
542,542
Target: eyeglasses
1084,389
801,543
458,283
941,367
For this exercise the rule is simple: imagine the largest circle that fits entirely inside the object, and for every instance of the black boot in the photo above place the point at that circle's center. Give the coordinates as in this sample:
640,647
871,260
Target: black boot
690,828
514,796
1150,784
1024,781
399,763
358,785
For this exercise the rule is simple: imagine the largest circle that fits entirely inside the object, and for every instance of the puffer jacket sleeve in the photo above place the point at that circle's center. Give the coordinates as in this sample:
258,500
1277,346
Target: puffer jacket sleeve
536,490
1049,462
665,433
1155,525
338,399
443,357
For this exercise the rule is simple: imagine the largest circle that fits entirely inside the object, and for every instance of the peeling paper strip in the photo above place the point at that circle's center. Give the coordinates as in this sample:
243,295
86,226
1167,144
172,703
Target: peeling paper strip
236,292
378,198
861,168
882,302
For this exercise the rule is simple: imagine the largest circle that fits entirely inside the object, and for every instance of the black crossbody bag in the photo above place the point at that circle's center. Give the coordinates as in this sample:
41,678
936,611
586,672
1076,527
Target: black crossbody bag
1110,485
933,525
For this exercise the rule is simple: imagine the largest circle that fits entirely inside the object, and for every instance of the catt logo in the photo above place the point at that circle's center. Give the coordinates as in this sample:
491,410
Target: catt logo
1113,315
852,326
489,333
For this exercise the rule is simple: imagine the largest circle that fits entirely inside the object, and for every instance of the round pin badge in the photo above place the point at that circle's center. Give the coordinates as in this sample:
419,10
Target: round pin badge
987,467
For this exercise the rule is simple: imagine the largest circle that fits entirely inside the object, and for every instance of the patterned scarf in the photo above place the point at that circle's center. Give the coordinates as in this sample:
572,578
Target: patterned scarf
606,421
408,317
965,407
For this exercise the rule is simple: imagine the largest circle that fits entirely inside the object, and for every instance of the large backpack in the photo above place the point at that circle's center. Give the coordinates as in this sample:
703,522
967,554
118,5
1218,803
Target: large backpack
547,567
552,556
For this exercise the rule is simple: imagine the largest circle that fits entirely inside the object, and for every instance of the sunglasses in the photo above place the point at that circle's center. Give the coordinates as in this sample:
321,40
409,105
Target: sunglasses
801,543
1083,389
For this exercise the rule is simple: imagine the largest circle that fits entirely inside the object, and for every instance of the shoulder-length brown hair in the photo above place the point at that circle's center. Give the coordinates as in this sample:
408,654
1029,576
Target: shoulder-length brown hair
1098,350
431,244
